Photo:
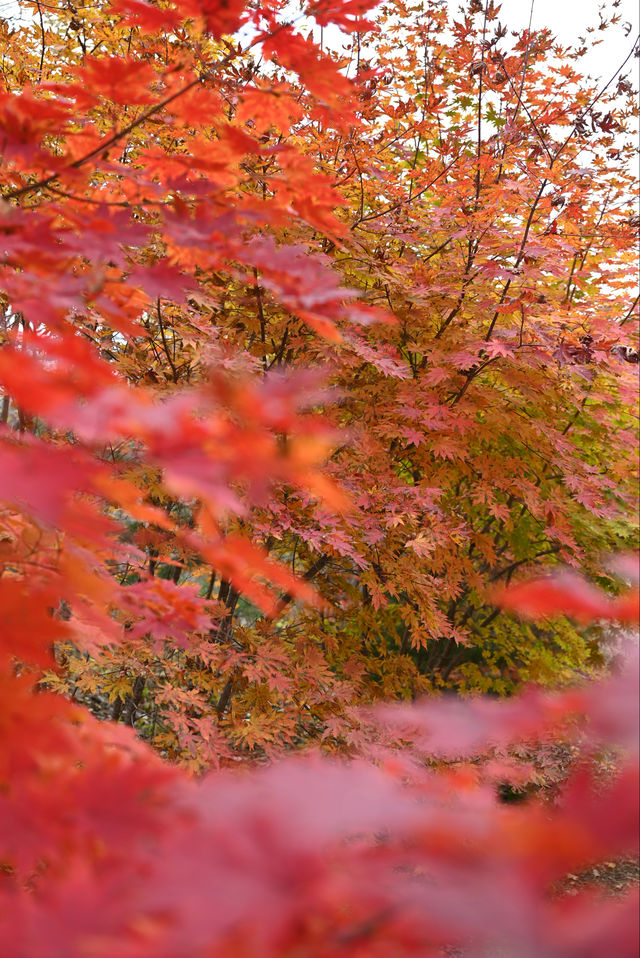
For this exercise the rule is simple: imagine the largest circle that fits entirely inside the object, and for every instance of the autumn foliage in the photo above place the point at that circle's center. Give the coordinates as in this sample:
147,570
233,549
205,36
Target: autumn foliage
315,367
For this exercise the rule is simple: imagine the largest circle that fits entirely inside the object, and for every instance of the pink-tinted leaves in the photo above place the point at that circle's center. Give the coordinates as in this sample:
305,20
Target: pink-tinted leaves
567,594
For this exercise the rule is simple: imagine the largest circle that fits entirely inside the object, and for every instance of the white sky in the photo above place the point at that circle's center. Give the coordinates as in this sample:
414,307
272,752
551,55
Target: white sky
568,20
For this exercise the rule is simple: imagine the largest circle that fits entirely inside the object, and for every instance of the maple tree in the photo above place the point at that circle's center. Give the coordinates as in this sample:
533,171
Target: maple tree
447,237
486,382
283,401
260,218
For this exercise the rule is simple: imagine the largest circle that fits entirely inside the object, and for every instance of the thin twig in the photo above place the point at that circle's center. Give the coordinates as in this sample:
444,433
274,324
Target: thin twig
164,343
42,41
598,96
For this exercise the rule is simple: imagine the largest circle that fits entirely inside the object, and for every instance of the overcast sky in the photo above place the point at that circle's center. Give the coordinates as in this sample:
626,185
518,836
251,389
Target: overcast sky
568,20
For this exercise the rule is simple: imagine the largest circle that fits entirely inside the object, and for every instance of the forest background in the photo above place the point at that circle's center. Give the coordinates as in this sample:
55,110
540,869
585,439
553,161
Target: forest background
309,362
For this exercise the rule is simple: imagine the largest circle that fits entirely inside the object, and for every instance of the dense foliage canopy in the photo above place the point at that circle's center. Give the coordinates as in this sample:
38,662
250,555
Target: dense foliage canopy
306,356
